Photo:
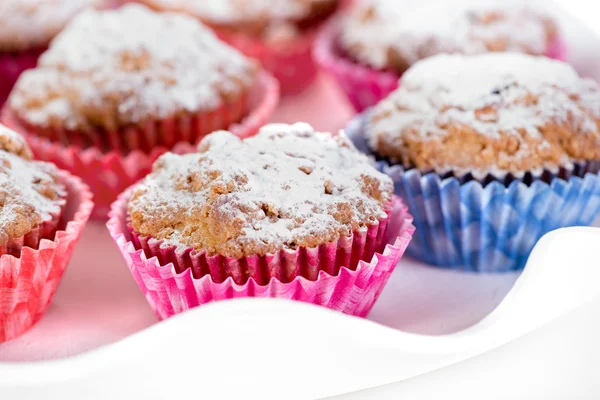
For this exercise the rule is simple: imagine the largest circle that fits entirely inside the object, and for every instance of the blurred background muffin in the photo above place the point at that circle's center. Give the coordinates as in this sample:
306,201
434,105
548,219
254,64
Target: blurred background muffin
134,83
278,33
26,29
380,39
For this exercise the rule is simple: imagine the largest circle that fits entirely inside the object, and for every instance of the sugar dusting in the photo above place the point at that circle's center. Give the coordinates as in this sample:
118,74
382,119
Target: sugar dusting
496,95
416,29
29,191
288,186
124,66
30,23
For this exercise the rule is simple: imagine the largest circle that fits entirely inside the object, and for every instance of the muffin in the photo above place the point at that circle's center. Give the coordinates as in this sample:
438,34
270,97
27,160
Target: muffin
262,214
375,44
133,83
37,201
490,151
26,29
279,33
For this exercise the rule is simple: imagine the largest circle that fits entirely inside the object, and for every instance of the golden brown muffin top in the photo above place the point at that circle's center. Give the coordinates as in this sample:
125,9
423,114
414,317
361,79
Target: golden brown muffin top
285,188
268,18
29,190
395,34
492,113
26,24
114,68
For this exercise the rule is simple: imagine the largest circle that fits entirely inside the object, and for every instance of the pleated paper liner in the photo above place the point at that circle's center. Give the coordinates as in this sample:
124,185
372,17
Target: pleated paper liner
490,224
109,173
363,85
28,281
347,275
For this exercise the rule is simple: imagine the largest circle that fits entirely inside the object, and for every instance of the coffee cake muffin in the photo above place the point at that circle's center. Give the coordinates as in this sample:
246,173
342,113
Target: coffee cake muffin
31,196
135,81
493,114
380,39
491,151
287,187
114,70
290,213
279,33
42,213
26,29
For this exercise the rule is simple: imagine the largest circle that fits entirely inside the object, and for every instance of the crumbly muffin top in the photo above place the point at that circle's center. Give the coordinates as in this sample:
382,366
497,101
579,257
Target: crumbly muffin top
265,17
491,113
287,187
29,190
26,24
396,34
114,68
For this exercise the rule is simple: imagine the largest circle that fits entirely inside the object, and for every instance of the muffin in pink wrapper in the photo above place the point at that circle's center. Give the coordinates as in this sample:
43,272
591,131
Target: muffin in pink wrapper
43,213
367,50
117,89
278,33
290,213
26,29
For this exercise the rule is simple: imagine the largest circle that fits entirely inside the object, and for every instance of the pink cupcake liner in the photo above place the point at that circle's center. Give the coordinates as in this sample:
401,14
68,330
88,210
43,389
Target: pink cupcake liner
174,282
110,173
28,282
12,65
363,85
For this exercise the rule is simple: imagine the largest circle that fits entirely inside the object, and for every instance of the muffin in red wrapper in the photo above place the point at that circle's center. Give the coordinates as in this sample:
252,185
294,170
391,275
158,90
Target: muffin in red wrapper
289,213
118,88
43,211
367,50
26,28
278,33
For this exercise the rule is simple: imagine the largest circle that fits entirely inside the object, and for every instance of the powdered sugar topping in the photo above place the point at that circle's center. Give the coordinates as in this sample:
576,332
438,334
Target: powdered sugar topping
533,100
288,186
394,34
31,23
117,67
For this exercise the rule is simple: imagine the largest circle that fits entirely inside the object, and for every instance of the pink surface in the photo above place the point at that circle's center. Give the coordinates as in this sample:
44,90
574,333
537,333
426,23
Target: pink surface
108,174
98,302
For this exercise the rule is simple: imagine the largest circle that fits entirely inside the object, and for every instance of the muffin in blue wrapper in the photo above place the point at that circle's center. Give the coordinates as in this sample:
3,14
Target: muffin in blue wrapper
487,220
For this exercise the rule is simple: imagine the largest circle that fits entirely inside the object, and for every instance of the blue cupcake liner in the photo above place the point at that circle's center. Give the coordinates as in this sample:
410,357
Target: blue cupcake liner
485,227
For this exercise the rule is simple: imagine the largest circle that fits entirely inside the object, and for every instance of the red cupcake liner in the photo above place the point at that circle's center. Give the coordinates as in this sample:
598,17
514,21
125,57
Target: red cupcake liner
12,65
45,230
363,85
347,275
110,173
149,135
28,282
